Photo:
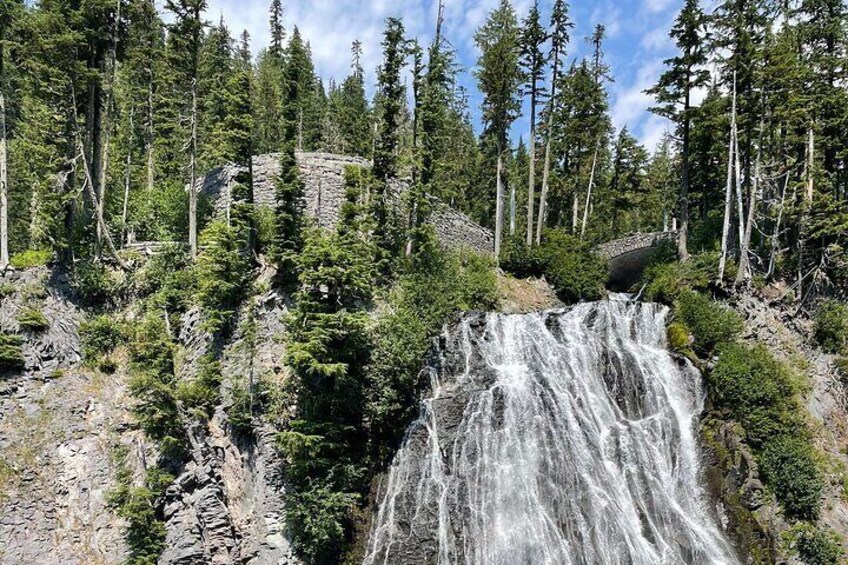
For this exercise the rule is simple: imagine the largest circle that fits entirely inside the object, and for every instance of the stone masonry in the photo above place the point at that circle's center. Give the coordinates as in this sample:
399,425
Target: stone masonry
323,176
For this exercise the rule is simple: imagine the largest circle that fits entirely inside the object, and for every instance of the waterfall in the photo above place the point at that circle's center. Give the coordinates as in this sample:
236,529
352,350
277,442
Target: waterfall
554,438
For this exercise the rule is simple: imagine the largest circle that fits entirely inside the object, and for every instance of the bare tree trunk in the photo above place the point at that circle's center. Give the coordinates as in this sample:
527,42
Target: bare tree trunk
543,198
808,200
776,233
740,214
683,234
589,194
192,165
151,134
498,207
728,193
4,179
127,177
512,210
744,273
531,184
575,212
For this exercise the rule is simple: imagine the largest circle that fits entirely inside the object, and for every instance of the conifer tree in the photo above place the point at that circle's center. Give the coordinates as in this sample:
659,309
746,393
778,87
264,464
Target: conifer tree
8,10
533,60
499,77
391,94
350,108
673,93
278,32
186,37
560,27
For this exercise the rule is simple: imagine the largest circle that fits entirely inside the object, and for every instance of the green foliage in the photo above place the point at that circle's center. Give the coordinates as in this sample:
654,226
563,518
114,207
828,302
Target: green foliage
32,320
817,545
711,323
665,278
222,271
831,326
31,258
679,338
202,394
145,528
7,289
153,384
760,393
95,284
435,286
100,335
11,356
323,516
242,411
568,264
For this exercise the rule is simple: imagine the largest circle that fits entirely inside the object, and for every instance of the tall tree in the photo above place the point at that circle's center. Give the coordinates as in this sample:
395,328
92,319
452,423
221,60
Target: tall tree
186,37
673,93
533,62
390,93
6,14
278,32
560,27
499,77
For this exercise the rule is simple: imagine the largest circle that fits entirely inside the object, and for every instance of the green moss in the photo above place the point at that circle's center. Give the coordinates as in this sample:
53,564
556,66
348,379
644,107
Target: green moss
679,338
32,320
831,326
31,258
711,323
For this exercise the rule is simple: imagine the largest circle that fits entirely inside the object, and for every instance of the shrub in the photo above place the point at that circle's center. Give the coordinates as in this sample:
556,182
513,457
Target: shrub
7,289
94,284
818,546
321,519
758,390
32,320
831,326
788,465
679,338
11,356
241,412
202,394
568,264
664,281
31,258
100,335
711,323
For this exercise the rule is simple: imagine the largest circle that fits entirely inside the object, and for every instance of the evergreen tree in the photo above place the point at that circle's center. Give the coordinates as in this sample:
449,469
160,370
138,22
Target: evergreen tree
186,35
560,27
673,92
350,108
627,189
391,96
534,60
499,77
278,32
302,95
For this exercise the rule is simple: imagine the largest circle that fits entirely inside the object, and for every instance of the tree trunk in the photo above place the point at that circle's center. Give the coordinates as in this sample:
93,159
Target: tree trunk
775,242
4,179
498,206
589,194
683,233
127,177
744,273
728,194
543,198
512,209
151,132
192,166
531,184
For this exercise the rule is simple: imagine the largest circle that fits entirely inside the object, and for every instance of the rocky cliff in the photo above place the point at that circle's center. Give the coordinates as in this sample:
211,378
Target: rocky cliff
62,424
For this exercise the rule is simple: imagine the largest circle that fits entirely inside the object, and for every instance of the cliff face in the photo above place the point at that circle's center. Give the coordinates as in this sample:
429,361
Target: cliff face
61,425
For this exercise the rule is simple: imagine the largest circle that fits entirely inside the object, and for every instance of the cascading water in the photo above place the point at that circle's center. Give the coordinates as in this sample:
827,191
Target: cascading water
564,437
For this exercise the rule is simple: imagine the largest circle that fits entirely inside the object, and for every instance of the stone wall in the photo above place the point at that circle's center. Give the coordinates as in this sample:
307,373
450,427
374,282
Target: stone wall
634,242
323,176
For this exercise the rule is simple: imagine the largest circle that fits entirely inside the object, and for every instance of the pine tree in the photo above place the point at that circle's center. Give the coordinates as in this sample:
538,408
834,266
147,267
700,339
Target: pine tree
499,76
278,32
302,95
391,95
534,60
560,27
186,38
627,185
673,93
350,108
8,10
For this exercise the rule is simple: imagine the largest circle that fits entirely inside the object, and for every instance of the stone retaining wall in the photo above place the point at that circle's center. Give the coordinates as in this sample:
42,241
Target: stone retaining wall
323,176
633,242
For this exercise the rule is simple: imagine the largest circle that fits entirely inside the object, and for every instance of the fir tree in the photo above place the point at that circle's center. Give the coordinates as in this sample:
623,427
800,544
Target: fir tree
391,94
673,93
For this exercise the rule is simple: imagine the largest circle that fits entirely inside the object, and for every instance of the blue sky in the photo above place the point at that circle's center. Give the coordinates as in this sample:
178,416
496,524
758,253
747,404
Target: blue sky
637,43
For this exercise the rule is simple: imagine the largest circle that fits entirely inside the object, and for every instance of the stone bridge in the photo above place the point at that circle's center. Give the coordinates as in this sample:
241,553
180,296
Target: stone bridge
628,256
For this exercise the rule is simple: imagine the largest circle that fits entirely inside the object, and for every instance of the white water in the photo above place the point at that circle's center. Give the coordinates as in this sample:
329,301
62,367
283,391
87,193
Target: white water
575,444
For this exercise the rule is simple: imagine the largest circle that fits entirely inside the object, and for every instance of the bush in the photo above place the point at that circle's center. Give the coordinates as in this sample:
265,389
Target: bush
711,323
202,394
831,326
568,264
679,338
664,281
11,356
788,465
818,546
96,285
100,335
32,320
7,289
760,393
31,258
321,519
